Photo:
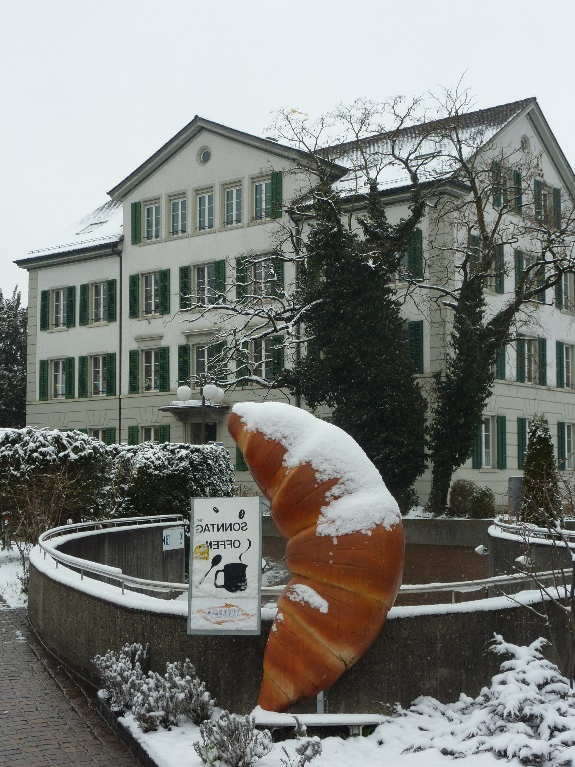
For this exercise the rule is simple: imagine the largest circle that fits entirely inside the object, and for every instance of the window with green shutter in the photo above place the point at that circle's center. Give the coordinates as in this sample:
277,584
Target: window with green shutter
185,287
519,265
499,269
82,376
184,360
164,433
560,364
276,207
134,296
521,442
164,285
414,255
84,310
133,435
415,344
44,309
277,355
561,454
220,277
110,435
542,366
112,301
136,213
501,425
134,371
71,306
241,464
500,363
520,358
164,365
70,375
111,374
43,380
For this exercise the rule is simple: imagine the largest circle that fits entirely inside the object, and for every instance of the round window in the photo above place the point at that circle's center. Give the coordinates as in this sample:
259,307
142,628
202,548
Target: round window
204,155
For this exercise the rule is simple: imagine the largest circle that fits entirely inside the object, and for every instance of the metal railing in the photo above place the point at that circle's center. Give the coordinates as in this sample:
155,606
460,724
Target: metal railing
526,531
115,574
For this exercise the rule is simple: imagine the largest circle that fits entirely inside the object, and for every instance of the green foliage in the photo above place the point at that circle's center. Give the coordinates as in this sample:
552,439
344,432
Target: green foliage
541,499
467,499
357,360
13,327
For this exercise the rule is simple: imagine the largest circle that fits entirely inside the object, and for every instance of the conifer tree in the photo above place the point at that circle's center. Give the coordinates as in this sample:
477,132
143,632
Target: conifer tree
13,326
541,501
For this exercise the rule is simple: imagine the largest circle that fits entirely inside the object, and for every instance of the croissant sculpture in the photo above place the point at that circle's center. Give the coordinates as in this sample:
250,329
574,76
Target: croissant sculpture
345,546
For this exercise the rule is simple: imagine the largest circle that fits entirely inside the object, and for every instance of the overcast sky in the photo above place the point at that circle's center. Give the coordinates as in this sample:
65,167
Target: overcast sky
91,88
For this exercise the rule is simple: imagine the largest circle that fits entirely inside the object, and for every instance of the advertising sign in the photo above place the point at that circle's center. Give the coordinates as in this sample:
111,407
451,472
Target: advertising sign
225,566
173,538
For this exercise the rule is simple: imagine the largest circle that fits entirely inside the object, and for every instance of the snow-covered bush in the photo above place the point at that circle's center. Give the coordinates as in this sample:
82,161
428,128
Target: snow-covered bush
161,479
305,751
233,740
468,499
528,712
121,673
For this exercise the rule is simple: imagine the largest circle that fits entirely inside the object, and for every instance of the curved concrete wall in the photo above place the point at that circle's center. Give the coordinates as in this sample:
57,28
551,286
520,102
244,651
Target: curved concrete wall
438,651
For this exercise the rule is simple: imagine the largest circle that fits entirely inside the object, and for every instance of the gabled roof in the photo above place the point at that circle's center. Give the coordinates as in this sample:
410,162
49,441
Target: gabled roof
187,134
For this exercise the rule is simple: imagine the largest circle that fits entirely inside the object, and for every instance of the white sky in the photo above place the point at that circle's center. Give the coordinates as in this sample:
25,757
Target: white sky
91,88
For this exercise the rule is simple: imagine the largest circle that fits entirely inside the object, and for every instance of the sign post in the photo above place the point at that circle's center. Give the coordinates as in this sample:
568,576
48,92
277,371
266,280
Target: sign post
225,566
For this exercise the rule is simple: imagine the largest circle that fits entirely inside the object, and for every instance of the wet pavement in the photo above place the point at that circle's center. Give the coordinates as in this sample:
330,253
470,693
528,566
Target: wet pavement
46,719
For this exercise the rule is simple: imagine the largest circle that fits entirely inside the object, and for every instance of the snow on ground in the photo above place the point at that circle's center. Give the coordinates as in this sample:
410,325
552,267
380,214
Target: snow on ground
10,583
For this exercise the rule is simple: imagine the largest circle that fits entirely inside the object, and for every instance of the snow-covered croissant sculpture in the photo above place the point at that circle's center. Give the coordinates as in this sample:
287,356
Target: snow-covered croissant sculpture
345,546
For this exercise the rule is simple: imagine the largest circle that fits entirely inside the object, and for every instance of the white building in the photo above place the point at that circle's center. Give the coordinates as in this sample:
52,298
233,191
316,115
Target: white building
109,333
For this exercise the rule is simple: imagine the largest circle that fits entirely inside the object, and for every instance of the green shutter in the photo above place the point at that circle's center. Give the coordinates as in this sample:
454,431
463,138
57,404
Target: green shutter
183,364
164,432
557,208
220,279
136,223
82,376
133,435
415,255
134,298
164,288
542,349
241,464
277,354
276,194
110,435
521,442
517,191
134,371
44,309
242,360
242,268
185,287
84,311
501,442
559,293
70,376
164,364
70,306
476,462
278,267
499,269
561,462
43,381
560,364
474,247
538,198
519,263
496,182
111,301
415,344
540,276
111,374
500,360
520,358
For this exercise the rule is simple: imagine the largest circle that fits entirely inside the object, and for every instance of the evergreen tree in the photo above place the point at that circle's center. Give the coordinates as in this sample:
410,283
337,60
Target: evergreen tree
541,500
358,360
13,327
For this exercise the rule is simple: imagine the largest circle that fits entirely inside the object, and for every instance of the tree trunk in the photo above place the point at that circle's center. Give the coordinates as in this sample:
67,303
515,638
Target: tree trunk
441,480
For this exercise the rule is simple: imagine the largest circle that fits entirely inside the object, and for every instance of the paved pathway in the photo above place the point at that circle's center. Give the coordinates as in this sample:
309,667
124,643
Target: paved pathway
46,720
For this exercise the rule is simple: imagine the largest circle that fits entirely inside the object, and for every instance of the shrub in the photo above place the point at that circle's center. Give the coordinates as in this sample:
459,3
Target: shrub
234,740
121,673
467,499
541,498
305,752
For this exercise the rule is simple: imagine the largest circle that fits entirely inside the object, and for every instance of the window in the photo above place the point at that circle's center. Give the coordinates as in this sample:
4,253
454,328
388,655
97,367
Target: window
207,361
209,284
547,204
261,358
97,434
565,445
106,435
97,302
152,220
507,187
201,434
58,379
149,370
178,216
98,377
155,434
532,360
232,205
58,308
267,197
150,433
565,365
490,448
259,276
565,292
534,277
153,289
205,210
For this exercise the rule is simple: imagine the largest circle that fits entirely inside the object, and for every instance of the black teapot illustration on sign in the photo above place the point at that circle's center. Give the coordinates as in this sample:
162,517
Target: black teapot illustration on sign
234,575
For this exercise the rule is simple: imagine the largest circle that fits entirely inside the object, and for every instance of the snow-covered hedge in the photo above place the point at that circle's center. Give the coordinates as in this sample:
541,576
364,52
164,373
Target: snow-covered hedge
161,479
